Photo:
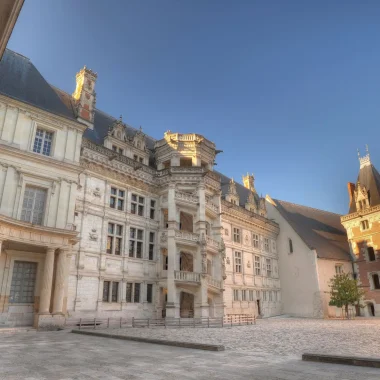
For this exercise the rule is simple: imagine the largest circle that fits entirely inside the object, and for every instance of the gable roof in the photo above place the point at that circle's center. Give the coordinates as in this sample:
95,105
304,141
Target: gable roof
370,178
320,230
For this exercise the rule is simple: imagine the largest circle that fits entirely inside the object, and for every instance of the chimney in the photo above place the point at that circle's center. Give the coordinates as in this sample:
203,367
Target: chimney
351,189
85,96
249,182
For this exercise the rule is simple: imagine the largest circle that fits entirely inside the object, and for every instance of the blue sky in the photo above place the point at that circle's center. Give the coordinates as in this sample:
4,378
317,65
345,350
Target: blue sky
287,89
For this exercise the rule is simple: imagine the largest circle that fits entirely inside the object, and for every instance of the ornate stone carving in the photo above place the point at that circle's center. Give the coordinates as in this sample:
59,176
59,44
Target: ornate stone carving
96,192
93,235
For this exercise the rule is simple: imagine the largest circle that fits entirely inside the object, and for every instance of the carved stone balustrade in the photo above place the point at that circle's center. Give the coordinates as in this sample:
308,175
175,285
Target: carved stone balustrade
212,243
186,236
214,282
212,206
186,197
187,276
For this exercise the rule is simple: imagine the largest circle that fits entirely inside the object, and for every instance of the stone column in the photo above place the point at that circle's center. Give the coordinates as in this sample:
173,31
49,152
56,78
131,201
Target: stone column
60,277
172,309
47,281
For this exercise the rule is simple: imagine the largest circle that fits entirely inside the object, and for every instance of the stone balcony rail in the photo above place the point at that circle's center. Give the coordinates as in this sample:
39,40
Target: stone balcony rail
212,243
185,235
187,276
212,206
214,282
186,197
354,215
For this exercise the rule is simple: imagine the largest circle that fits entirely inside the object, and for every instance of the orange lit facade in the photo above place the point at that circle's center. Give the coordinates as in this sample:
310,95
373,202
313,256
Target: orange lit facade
362,224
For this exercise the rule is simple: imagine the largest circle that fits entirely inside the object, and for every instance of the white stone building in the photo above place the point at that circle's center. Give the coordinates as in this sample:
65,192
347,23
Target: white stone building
118,224
252,285
312,246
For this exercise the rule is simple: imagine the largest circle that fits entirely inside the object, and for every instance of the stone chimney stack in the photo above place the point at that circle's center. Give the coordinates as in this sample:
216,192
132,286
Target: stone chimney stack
85,96
351,190
249,182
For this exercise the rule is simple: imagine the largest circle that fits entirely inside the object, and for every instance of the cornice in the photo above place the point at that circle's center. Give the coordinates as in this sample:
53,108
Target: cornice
360,214
40,115
39,158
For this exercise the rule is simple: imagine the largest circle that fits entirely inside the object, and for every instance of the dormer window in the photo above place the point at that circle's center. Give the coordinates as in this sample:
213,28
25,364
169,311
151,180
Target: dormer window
117,149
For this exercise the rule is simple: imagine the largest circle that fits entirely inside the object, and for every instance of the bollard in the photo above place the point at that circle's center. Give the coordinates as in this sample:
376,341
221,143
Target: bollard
80,323
94,323
165,322
121,321
108,323
194,322
148,323
133,321
222,321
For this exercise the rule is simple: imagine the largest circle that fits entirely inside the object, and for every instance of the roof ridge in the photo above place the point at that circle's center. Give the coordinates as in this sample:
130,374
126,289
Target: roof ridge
128,125
59,89
15,52
311,208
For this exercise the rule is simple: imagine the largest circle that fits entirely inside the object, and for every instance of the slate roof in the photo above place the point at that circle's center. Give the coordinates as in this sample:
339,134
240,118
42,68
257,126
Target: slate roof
320,230
242,191
370,178
19,79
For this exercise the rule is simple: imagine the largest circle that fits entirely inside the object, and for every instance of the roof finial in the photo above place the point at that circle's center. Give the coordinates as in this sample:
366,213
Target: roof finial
366,148
358,152
365,160
121,118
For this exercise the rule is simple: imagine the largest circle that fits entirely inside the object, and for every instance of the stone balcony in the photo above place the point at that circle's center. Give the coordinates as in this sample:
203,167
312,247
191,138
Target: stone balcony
212,244
214,283
189,277
186,237
186,198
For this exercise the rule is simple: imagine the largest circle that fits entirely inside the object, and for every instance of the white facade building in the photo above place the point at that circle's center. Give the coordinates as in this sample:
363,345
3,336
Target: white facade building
313,247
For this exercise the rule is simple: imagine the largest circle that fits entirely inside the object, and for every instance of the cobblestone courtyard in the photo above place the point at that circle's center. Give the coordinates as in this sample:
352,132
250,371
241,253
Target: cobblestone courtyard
270,351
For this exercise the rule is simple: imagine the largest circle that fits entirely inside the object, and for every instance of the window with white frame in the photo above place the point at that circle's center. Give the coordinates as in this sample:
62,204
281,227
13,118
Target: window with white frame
117,198
137,205
244,295
136,244
237,262
149,293
269,267
251,296
266,245
152,213
365,224
23,282
257,266
138,158
255,240
114,239
133,292
151,246
236,295
110,291
42,142
237,235
33,205
117,149
338,268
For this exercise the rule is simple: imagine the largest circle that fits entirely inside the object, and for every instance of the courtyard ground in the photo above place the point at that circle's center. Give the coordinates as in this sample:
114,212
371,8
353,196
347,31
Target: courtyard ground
269,351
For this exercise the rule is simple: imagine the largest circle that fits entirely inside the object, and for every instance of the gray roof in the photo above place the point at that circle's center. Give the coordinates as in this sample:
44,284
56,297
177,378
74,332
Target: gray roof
242,191
320,230
370,178
19,79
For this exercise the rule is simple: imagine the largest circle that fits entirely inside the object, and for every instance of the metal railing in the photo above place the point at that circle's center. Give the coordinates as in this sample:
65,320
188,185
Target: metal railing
118,323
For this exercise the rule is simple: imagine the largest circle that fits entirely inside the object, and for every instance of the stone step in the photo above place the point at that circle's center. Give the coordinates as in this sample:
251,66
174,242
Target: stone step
4,329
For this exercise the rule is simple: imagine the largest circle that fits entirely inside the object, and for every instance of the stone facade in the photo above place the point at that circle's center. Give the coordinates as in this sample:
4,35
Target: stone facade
99,220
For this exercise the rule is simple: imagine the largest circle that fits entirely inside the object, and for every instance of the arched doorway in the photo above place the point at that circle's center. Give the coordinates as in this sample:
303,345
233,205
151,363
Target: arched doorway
186,305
